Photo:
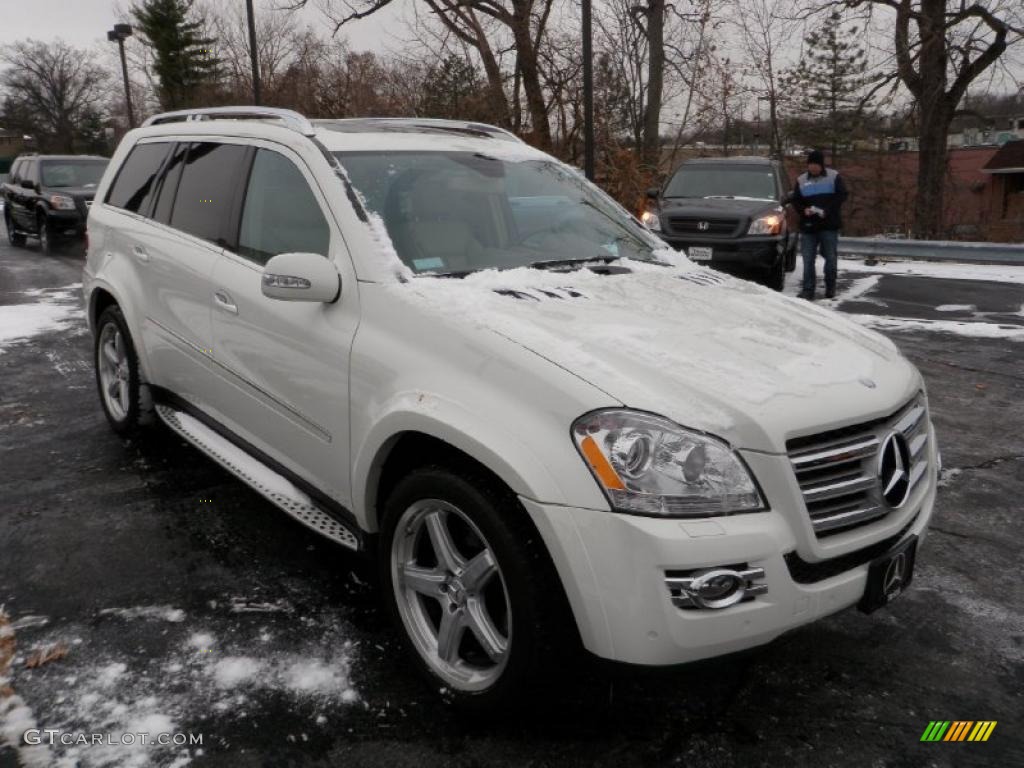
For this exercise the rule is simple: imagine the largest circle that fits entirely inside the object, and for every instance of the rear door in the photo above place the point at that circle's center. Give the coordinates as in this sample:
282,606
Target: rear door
284,365
178,248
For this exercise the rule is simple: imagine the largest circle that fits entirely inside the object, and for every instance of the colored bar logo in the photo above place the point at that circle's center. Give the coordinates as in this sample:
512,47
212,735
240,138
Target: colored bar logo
958,730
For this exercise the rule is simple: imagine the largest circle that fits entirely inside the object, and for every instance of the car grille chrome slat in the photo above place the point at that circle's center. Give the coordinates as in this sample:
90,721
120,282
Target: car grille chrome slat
838,471
706,226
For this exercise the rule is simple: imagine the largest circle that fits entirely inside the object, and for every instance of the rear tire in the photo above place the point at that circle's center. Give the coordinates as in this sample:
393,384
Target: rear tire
118,376
482,641
16,239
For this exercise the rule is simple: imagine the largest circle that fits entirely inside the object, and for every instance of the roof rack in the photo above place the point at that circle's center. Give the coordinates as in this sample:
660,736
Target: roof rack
415,124
289,117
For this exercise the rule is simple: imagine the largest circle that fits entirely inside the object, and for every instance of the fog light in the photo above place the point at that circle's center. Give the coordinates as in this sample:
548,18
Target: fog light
715,588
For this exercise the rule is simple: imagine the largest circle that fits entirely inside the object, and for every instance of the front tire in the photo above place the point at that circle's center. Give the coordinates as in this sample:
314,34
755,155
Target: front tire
776,278
118,376
16,239
45,235
468,584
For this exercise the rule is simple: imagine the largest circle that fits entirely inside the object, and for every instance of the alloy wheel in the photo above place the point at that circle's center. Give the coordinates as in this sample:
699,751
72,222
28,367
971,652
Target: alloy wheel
114,371
451,595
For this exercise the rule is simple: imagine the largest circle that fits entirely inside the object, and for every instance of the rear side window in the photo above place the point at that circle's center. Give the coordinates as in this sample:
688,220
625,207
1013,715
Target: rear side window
281,213
209,180
135,184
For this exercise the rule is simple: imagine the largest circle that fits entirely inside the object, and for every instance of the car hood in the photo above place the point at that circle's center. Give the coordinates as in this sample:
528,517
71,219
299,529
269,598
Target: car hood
697,206
84,193
710,352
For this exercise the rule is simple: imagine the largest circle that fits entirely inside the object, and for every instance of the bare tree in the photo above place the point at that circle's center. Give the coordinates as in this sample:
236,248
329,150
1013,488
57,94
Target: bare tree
52,91
766,28
525,21
941,47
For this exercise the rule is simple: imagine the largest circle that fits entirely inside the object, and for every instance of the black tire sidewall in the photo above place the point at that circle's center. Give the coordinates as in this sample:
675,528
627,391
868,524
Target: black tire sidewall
16,239
45,234
130,423
515,557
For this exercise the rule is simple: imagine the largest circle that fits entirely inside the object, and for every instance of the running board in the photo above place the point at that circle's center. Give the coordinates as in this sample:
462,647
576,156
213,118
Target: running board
259,477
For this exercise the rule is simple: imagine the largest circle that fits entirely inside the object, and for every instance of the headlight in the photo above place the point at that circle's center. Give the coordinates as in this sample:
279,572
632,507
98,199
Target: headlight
769,224
62,202
648,465
651,221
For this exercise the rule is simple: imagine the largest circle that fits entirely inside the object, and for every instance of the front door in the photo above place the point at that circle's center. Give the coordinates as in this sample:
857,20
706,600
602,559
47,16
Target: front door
284,365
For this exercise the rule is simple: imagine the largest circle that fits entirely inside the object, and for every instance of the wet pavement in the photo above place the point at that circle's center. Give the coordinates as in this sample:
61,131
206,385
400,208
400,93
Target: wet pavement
188,604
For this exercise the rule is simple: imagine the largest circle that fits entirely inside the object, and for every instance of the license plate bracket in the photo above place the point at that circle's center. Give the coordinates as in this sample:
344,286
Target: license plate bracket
889,576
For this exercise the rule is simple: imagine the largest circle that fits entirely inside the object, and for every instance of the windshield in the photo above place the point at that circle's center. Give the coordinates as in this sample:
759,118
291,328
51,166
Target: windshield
73,173
723,181
463,211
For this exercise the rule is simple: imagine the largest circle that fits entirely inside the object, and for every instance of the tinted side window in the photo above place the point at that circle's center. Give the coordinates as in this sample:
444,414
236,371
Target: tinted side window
14,171
31,171
136,180
281,213
202,205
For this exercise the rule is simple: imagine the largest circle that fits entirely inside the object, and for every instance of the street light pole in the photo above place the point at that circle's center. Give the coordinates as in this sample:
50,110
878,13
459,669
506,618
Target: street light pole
253,56
588,93
120,33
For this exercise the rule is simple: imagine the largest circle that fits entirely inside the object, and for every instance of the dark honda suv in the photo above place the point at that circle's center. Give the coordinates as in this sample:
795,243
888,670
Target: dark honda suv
48,196
728,213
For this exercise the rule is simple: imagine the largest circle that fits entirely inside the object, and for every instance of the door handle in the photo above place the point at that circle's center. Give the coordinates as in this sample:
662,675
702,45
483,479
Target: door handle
140,253
223,300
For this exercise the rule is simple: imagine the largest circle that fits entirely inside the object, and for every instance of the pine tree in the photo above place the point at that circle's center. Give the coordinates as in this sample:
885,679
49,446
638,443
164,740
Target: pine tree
184,58
452,88
828,83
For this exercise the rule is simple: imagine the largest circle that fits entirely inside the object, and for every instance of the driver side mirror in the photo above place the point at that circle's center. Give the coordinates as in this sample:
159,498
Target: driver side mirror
301,277
653,193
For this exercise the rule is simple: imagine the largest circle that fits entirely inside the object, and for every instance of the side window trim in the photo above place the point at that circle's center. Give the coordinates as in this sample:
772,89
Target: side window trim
234,218
162,178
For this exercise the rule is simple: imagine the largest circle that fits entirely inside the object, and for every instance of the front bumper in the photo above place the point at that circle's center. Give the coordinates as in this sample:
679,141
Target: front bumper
754,251
63,222
614,569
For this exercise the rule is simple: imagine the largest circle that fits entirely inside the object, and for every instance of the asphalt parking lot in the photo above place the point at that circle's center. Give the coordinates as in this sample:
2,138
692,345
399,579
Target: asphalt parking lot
187,603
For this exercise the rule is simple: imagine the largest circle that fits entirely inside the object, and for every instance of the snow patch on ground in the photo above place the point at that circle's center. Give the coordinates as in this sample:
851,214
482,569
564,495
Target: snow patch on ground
55,310
993,272
973,330
229,663
157,612
956,308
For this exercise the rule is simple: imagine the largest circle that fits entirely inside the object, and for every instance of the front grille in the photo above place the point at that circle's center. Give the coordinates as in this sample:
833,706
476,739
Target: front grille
705,226
838,471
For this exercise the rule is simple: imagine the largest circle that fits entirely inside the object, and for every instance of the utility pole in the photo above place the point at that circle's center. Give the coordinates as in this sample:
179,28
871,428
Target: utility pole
588,93
120,33
253,56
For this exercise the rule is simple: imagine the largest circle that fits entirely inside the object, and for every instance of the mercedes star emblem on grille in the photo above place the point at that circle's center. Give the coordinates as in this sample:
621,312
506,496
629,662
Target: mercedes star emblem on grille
894,469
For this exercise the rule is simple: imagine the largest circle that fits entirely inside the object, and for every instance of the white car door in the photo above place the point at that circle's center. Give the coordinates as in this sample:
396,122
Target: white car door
284,365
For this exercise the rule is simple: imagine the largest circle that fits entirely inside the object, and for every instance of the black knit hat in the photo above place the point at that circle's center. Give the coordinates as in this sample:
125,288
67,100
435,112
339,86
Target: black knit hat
816,156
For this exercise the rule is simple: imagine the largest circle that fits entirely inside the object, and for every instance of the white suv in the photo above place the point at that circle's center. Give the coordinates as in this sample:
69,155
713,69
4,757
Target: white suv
433,343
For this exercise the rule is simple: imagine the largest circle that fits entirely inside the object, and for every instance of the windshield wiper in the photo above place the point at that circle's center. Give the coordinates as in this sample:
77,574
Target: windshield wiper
555,263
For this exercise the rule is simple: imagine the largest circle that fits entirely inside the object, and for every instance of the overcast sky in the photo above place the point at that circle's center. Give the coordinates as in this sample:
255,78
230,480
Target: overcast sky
85,22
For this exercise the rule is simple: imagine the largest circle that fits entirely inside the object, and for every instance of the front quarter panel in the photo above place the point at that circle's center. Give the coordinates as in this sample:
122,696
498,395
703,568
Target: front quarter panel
483,394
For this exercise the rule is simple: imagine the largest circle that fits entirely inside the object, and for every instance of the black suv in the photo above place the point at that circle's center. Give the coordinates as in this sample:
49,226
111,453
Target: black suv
48,196
728,212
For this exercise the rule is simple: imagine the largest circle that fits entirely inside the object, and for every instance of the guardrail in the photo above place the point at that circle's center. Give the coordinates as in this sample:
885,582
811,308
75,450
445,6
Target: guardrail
932,250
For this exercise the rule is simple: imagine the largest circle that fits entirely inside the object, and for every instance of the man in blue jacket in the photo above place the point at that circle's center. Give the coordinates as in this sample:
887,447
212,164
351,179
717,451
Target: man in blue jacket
818,195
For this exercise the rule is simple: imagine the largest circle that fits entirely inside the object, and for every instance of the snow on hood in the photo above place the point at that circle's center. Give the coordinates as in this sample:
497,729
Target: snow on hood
707,350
